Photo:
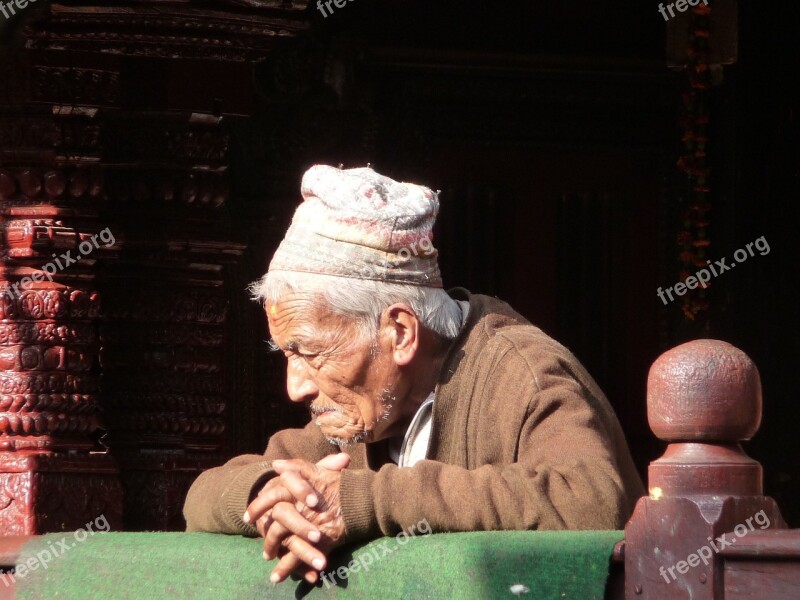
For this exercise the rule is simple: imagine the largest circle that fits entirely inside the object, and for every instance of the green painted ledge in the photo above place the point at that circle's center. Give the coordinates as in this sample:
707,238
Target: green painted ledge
567,565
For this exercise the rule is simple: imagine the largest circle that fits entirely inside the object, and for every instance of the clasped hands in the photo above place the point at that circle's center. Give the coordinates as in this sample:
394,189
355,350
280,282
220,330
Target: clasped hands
299,515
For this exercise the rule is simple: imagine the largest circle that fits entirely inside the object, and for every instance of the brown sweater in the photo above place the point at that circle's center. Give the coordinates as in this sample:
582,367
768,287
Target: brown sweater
522,438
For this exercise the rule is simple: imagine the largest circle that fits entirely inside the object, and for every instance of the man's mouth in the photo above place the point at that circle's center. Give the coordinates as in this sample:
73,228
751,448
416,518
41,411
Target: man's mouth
326,416
324,410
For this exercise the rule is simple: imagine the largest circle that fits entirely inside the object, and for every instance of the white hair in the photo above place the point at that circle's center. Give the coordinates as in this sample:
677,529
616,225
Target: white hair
364,300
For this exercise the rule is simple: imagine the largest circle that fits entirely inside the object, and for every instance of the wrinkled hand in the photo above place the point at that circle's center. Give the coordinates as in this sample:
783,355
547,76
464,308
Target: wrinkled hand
299,515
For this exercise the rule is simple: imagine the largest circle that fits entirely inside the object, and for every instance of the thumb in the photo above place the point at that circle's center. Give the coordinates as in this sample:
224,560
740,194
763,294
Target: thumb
335,462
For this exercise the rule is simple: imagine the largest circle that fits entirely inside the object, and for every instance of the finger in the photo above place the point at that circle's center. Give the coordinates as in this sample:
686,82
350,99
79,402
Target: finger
290,464
287,520
300,474
299,479
263,524
293,487
308,553
311,576
335,462
303,572
274,481
290,522
296,475
302,550
300,487
332,462
274,535
288,563
264,502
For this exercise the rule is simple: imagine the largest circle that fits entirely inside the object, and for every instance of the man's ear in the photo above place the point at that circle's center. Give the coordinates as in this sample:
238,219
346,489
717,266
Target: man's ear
403,327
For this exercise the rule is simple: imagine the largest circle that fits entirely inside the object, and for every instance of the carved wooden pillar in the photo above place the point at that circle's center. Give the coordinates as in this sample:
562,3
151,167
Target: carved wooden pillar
53,473
113,119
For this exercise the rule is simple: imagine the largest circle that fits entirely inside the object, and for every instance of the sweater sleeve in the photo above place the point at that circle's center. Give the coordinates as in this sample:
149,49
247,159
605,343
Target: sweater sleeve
218,497
564,474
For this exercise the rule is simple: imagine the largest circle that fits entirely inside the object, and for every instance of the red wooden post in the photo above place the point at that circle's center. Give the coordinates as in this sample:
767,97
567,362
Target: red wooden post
704,398
53,477
118,125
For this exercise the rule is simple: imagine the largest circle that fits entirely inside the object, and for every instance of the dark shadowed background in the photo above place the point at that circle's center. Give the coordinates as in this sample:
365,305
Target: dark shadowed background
551,128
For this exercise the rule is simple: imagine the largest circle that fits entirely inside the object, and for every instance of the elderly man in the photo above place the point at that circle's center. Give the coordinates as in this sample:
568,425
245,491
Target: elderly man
426,405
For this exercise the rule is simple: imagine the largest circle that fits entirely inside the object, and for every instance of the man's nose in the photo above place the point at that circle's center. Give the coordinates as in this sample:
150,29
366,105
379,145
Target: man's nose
298,384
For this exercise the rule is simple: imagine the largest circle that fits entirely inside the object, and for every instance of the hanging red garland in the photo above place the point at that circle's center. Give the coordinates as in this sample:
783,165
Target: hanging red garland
694,119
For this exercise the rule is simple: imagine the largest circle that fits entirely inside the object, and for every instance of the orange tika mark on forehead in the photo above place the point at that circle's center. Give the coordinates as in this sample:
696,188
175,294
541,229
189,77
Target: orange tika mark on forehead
272,312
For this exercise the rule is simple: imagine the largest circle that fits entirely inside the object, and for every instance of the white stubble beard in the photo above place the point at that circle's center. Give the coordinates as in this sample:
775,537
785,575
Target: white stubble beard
387,400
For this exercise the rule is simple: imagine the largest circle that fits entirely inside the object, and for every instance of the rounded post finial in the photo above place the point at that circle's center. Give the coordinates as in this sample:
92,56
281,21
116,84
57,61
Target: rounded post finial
704,391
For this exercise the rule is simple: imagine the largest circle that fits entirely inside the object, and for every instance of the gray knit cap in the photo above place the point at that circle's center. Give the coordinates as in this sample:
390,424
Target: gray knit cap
360,224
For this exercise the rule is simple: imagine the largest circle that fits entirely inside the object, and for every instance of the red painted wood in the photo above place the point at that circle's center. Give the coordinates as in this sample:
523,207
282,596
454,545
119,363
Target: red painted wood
768,544
705,507
749,580
114,127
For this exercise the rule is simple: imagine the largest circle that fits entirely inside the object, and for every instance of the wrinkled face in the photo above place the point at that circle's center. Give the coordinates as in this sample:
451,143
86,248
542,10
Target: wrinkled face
348,383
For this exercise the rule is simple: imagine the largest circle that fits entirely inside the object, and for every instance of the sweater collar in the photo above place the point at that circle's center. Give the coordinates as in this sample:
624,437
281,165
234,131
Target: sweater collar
457,346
